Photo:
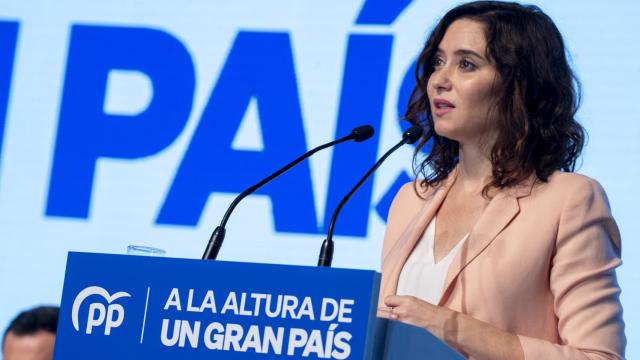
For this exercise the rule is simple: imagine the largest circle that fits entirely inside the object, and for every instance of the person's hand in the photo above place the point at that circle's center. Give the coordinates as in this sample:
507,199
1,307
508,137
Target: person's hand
413,311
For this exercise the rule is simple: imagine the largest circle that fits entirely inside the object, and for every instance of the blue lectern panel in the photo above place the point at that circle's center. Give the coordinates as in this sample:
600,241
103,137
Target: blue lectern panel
407,342
133,307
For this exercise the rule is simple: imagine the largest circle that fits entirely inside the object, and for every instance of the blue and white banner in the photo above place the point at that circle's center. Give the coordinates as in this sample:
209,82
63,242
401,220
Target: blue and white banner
136,307
137,122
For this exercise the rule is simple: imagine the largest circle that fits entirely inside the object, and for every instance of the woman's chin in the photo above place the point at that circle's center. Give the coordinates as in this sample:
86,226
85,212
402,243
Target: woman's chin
446,131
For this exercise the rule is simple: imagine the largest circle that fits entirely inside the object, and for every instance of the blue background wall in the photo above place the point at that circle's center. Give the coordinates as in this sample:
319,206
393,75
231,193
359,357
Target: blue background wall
136,122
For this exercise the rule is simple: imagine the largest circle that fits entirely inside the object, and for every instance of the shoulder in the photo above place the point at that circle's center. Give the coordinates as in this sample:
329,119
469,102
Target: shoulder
572,187
411,197
560,178
571,196
406,203
409,200
410,194
584,205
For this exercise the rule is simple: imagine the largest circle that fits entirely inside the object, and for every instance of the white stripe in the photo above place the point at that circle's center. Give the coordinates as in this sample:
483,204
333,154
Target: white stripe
144,319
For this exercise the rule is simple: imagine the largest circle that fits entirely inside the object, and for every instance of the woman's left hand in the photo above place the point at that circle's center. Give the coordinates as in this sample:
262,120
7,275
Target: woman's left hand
414,311
469,336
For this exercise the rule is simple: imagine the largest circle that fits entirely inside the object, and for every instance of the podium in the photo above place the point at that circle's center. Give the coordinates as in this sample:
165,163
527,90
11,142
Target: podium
137,307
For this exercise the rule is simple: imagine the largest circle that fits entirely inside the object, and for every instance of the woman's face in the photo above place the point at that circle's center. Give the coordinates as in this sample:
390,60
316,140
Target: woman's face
462,86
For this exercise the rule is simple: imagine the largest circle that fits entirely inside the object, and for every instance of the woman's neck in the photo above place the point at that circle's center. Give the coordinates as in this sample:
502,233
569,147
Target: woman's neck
474,168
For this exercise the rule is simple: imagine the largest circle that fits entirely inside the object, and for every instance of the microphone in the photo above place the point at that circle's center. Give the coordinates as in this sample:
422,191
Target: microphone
326,251
358,134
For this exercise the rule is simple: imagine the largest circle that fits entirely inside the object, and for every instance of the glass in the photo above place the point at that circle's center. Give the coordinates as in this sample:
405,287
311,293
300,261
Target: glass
144,250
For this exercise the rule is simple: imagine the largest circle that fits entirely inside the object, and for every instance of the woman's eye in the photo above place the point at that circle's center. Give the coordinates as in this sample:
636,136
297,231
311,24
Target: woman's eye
438,62
467,65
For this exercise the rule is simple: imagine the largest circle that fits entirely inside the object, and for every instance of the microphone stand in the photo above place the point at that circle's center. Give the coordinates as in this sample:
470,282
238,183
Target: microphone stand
358,134
326,251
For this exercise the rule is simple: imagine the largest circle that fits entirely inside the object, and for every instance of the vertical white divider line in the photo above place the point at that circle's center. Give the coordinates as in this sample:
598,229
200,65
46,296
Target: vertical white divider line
144,319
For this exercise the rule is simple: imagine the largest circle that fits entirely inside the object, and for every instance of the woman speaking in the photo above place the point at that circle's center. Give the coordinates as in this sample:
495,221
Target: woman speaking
500,250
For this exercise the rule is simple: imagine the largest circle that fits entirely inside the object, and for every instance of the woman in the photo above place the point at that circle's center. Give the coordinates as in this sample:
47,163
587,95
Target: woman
520,263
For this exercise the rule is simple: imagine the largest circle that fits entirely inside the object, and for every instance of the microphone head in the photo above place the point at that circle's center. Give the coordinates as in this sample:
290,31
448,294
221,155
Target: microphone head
413,134
362,133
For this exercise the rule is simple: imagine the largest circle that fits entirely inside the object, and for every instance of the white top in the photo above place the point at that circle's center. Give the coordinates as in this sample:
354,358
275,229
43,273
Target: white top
421,276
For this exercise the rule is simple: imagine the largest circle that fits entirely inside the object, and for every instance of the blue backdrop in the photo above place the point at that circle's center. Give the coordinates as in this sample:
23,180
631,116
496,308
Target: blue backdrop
137,122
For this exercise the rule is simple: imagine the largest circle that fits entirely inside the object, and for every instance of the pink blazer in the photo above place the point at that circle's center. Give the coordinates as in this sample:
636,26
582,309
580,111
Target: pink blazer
540,263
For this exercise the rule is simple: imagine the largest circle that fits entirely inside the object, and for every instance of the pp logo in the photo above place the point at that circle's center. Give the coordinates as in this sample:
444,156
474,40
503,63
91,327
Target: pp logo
111,316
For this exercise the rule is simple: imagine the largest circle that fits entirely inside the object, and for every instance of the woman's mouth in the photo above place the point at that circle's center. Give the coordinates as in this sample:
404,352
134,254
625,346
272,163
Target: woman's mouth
442,107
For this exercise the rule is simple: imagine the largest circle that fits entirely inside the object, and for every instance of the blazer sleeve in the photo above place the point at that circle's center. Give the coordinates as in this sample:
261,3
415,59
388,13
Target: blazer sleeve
583,281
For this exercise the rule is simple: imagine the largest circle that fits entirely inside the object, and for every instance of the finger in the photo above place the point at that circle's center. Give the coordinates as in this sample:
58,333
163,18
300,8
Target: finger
387,315
394,300
384,312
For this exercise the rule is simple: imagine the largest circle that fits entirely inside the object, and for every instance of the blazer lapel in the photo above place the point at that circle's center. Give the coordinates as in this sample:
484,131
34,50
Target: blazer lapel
498,214
393,263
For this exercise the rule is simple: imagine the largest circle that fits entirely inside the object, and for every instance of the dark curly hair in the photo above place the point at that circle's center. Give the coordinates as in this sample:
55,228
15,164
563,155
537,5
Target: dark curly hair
536,100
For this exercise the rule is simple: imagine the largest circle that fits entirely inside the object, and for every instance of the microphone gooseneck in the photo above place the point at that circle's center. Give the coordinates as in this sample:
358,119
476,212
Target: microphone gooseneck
326,251
358,134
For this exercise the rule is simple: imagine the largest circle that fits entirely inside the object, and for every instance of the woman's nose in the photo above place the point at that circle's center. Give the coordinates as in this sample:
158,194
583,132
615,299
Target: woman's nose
440,80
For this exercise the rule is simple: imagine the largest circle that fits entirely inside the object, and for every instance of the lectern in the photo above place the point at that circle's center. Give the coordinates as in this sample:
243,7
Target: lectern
137,307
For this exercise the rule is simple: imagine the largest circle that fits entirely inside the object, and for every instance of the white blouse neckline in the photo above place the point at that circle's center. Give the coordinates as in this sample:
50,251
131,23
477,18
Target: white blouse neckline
421,275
